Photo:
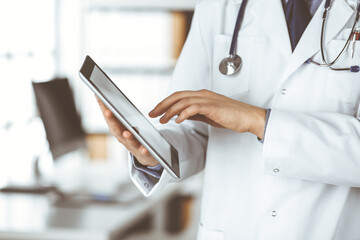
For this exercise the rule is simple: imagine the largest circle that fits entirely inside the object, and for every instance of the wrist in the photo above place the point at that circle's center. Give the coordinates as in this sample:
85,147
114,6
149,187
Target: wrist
258,122
151,163
147,162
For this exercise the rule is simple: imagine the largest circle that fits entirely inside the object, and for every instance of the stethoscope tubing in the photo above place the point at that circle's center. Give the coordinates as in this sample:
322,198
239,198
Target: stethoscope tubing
237,27
325,63
323,57
232,64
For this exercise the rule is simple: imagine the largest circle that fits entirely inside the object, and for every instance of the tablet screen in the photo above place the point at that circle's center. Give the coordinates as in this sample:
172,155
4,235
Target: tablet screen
123,106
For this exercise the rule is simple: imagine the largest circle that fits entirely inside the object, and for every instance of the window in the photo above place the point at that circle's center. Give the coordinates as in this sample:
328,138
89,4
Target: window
41,39
27,52
27,45
134,47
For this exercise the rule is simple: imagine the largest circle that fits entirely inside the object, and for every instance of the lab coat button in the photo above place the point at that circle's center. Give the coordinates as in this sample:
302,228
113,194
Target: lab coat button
276,170
274,213
284,91
146,185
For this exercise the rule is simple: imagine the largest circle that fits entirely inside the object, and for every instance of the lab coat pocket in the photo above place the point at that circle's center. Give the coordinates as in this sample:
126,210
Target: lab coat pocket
343,86
208,234
237,84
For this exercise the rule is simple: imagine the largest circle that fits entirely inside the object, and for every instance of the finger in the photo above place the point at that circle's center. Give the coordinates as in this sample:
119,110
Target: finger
101,104
143,155
175,97
191,111
134,145
105,110
113,122
109,116
116,128
179,106
144,151
131,140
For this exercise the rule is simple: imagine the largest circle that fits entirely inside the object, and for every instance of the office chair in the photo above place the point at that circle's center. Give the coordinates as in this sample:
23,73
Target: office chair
56,107
57,110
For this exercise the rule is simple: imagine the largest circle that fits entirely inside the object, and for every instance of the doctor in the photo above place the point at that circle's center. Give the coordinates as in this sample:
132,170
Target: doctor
279,139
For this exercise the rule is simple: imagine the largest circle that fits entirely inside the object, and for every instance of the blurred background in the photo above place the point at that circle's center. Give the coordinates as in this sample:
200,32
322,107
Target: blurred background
62,176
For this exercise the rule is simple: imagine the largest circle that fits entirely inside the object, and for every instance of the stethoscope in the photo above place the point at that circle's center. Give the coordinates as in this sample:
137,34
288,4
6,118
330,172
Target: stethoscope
233,63
325,63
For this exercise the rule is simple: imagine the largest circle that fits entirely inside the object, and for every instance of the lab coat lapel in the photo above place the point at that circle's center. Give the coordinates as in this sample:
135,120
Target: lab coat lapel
309,43
271,17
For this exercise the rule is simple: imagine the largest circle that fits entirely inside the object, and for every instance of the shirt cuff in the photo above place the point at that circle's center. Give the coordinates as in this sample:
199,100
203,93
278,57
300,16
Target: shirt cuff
155,171
268,111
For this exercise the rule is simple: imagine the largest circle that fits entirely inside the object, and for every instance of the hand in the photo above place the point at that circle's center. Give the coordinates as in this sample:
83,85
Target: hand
212,108
127,138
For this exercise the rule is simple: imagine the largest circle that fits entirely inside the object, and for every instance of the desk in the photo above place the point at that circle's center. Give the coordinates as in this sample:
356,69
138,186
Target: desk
24,216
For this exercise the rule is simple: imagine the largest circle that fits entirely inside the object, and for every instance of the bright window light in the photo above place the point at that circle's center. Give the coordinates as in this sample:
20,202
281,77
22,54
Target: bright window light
27,45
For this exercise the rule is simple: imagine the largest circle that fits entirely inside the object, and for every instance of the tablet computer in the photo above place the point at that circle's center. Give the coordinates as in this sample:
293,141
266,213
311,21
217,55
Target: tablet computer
130,116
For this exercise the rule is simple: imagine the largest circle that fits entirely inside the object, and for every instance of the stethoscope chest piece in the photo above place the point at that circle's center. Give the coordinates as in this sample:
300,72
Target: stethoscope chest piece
230,65
233,62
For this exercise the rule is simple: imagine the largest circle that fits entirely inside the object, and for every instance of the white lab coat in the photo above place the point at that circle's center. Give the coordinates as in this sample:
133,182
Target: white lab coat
303,182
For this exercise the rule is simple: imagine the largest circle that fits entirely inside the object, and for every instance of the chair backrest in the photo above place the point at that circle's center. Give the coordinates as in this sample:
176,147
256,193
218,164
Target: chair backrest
57,110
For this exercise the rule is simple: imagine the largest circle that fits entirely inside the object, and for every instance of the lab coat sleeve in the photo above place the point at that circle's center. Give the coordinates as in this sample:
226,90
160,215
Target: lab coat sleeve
320,147
153,171
192,72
